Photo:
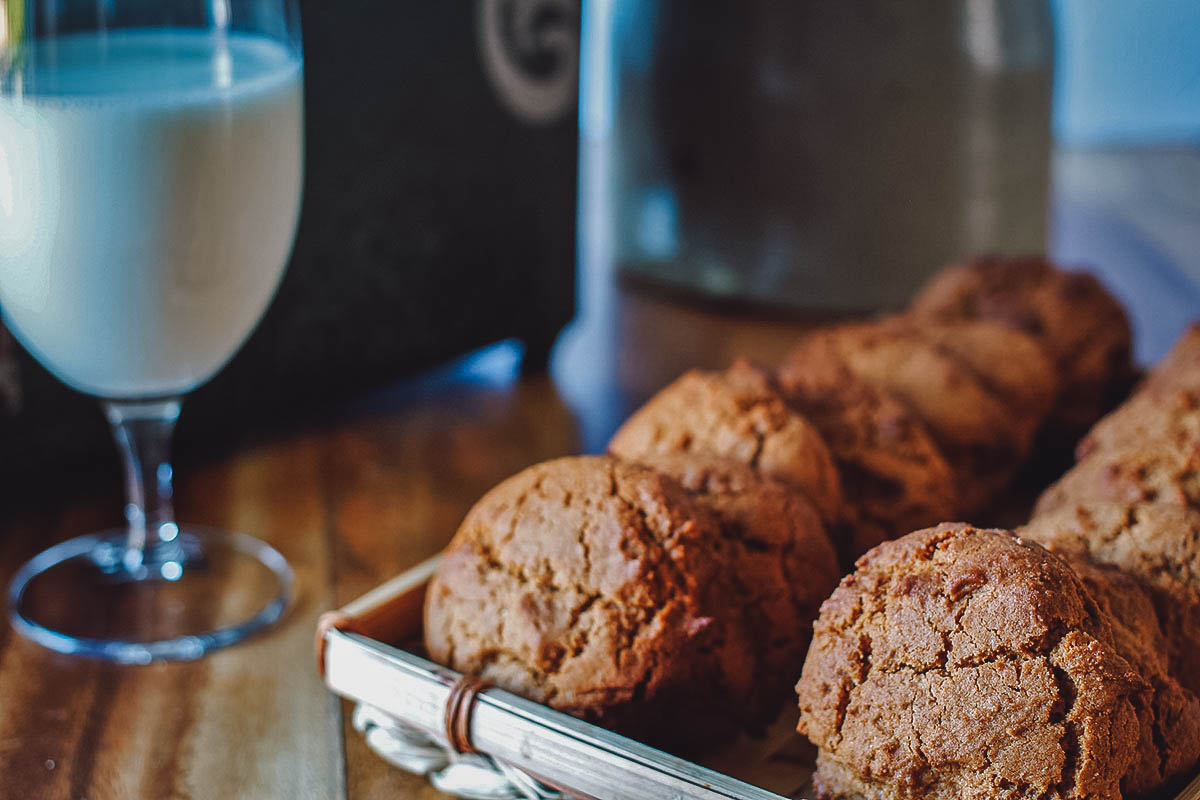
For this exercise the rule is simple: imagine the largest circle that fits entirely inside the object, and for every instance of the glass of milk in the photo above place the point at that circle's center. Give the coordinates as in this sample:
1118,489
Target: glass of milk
150,178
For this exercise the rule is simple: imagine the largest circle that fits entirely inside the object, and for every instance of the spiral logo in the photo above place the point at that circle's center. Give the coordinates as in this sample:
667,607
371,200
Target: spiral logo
530,52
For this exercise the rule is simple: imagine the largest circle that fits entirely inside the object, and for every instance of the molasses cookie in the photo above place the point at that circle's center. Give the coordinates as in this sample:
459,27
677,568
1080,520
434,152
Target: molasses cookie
600,588
1140,472
738,414
982,407
1170,418
1078,322
1158,545
893,473
1164,410
781,561
967,664
1169,717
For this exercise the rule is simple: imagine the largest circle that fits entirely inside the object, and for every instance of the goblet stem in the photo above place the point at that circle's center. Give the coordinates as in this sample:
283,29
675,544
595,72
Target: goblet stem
143,430
148,592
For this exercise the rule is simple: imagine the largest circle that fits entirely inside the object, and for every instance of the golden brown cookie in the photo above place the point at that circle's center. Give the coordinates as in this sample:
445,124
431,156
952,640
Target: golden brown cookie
1166,417
894,475
1010,363
1159,545
600,588
979,387
1079,323
738,414
1163,412
964,663
1168,718
1142,472
782,562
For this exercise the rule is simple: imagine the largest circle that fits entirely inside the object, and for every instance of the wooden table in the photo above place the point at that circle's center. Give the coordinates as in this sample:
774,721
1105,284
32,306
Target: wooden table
351,502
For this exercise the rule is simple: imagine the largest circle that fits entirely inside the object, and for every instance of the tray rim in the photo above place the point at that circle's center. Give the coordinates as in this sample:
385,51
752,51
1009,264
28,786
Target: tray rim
350,639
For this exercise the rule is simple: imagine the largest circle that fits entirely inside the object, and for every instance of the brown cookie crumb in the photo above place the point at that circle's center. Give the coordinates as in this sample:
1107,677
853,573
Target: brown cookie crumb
965,663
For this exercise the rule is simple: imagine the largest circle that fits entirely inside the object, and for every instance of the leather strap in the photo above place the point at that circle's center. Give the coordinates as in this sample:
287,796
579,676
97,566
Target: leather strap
459,706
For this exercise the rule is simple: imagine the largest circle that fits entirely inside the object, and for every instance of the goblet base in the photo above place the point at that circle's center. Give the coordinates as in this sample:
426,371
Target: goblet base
206,589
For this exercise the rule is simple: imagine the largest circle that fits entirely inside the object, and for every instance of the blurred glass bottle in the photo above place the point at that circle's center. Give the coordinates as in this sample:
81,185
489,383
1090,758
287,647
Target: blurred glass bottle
818,155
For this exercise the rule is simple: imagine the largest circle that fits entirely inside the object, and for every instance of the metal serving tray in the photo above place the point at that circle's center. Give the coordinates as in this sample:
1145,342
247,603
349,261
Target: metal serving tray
525,750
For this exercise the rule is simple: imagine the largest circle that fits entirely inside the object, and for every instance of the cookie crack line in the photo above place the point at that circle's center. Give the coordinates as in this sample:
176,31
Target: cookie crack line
1070,740
515,516
760,437
1162,747
656,547
582,607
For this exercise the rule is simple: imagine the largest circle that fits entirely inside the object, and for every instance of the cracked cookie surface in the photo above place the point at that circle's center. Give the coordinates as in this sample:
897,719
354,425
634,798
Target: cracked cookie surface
780,560
1169,717
965,663
597,586
1158,545
1165,418
1079,323
739,414
1140,472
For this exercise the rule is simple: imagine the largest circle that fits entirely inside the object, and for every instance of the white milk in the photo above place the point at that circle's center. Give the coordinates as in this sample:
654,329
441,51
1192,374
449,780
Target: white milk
149,190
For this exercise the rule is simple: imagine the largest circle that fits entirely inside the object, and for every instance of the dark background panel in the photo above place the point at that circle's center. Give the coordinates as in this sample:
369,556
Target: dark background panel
437,217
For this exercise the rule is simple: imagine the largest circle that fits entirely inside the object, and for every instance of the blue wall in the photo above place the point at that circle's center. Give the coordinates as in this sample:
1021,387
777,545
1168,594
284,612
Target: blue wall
1127,72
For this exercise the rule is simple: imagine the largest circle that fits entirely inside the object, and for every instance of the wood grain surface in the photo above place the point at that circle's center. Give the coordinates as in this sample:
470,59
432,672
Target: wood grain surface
351,501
